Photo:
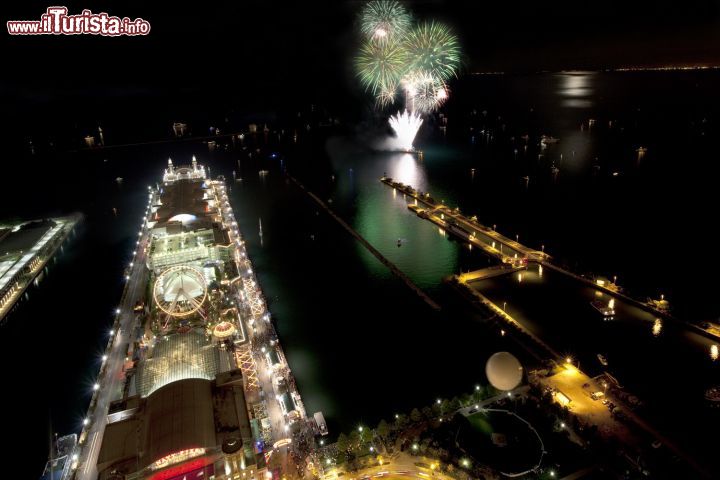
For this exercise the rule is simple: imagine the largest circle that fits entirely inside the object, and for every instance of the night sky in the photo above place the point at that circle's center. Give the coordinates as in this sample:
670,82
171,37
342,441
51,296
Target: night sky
273,51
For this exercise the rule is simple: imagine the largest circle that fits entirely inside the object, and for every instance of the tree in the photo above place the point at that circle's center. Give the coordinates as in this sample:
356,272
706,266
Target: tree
401,420
342,443
383,429
428,413
415,415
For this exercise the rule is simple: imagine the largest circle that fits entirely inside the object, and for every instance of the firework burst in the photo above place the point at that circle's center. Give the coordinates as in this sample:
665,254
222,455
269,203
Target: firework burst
425,92
383,20
380,66
432,48
405,125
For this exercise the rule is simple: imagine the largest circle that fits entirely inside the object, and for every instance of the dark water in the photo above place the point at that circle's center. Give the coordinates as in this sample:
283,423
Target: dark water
360,344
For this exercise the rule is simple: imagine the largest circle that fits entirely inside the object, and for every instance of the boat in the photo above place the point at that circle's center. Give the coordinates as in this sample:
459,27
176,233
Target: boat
606,311
547,140
603,361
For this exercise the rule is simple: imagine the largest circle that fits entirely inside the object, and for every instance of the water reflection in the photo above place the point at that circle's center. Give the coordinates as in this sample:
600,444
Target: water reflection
406,170
576,89
657,327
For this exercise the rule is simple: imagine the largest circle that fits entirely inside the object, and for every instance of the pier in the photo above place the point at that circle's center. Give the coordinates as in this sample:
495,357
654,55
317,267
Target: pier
512,253
391,266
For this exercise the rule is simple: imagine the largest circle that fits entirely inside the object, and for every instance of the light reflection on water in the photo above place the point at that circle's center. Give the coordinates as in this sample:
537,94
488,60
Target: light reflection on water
406,170
576,89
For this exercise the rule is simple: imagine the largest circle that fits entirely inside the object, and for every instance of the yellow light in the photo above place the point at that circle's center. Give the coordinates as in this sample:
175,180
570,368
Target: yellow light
657,327
562,398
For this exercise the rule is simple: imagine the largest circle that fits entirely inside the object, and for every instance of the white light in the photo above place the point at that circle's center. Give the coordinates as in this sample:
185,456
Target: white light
96,387
86,421
117,311
127,277
562,424
360,428
104,358
112,332
131,264
134,252
372,449
75,457
405,125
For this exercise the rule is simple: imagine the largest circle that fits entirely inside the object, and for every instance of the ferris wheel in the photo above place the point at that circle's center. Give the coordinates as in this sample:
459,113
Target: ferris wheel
179,292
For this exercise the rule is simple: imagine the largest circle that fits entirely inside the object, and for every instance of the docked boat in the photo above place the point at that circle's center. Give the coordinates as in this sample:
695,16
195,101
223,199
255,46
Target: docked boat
607,311
548,140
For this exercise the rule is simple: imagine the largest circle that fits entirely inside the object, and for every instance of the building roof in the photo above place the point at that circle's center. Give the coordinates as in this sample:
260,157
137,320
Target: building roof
177,357
25,237
183,199
179,417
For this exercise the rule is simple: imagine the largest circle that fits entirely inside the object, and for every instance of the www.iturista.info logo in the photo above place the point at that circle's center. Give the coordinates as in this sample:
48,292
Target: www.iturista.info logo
56,21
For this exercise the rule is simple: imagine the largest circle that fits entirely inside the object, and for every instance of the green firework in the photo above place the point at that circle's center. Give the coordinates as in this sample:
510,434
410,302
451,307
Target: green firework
433,48
380,65
384,20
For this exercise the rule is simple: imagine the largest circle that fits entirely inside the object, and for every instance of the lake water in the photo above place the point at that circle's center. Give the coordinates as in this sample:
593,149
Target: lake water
360,344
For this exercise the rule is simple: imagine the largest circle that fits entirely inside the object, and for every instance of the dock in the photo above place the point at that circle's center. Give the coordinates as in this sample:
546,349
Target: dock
469,229
512,253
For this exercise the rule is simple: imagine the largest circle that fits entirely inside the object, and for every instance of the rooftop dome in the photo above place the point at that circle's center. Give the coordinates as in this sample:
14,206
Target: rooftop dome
503,371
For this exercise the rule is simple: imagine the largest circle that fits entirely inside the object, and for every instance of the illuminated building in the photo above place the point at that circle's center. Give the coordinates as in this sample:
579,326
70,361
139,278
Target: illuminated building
187,407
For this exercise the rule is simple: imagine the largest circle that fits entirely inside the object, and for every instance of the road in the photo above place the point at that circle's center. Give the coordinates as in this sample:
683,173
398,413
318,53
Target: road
111,382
